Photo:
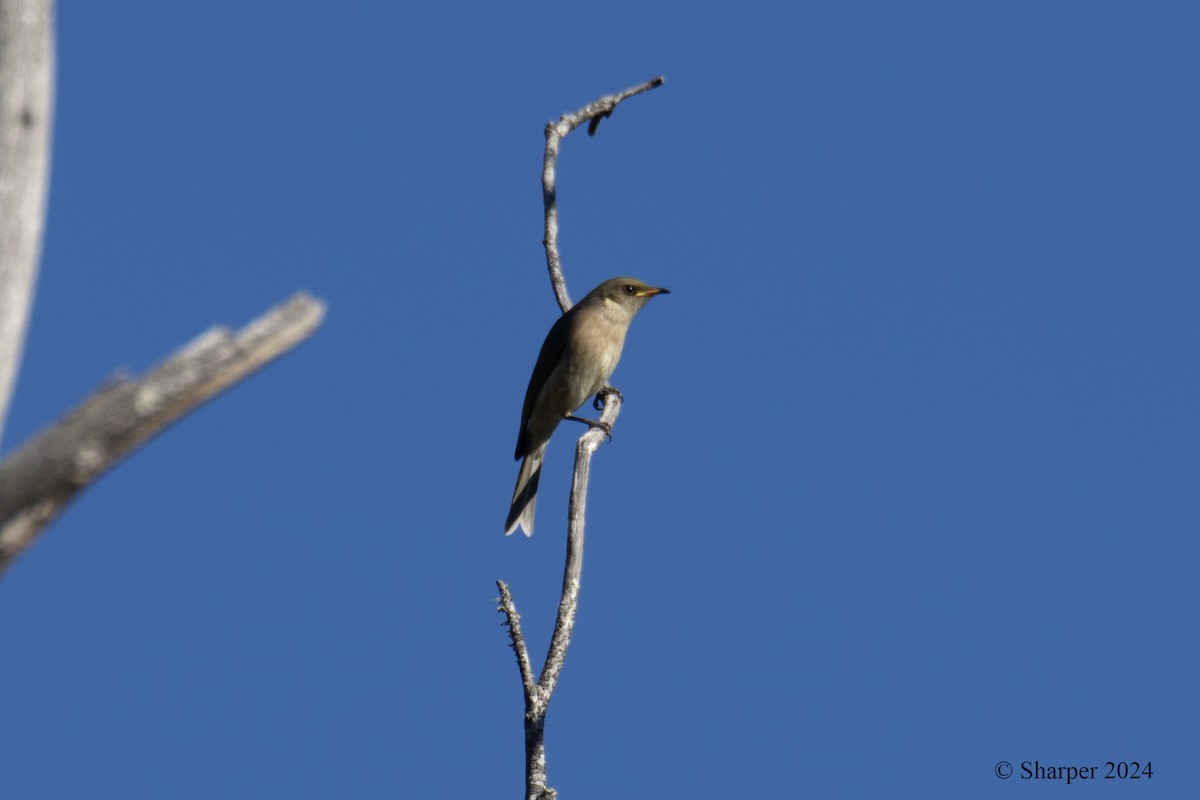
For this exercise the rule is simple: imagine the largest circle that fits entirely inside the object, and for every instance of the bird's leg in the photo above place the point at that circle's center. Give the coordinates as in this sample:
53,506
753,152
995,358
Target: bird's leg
592,423
598,404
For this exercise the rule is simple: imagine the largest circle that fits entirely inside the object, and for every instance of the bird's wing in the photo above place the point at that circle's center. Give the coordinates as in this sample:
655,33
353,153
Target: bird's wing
551,355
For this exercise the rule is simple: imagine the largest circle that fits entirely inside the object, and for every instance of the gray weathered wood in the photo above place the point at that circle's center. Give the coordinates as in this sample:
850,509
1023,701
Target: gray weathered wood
26,104
41,477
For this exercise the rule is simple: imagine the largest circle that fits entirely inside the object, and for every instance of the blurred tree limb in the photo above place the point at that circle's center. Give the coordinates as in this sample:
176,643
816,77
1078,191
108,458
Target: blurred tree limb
538,692
41,477
26,119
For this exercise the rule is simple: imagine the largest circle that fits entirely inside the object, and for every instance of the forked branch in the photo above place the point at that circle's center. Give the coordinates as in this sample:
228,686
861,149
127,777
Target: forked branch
538,693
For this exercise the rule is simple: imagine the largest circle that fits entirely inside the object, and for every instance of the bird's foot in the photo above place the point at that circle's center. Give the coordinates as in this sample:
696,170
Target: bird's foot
598,403
593,423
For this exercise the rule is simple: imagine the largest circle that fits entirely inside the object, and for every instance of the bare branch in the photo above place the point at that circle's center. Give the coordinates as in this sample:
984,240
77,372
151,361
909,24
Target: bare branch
38,480
537,696
26,107
555,131
573,569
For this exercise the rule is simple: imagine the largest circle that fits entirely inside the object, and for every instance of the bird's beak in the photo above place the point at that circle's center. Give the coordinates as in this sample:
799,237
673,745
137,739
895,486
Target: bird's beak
650,291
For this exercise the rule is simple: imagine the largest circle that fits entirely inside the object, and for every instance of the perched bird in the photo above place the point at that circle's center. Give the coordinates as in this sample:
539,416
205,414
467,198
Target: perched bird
580,352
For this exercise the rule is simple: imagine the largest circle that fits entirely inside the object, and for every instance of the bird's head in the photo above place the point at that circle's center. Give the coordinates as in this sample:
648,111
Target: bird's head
628,293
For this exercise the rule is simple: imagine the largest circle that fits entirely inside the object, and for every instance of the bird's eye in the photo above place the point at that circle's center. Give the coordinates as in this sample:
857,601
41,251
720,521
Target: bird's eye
629,290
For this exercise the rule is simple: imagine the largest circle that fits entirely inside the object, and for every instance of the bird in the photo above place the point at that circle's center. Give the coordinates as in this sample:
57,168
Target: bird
579,354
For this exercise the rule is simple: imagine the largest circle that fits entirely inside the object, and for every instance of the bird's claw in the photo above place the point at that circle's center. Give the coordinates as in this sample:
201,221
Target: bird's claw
598,403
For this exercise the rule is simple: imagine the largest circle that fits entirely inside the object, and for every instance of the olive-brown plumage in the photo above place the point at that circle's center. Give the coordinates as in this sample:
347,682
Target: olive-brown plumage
579,354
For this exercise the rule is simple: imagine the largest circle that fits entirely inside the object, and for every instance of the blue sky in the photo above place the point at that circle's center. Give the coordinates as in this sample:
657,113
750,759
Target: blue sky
905,483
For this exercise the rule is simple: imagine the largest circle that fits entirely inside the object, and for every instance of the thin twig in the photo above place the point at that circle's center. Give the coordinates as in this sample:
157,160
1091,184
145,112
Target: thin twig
513,620
39,479
555,131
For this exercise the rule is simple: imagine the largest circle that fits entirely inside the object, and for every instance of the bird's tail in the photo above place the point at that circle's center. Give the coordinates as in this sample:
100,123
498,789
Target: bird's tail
525,496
